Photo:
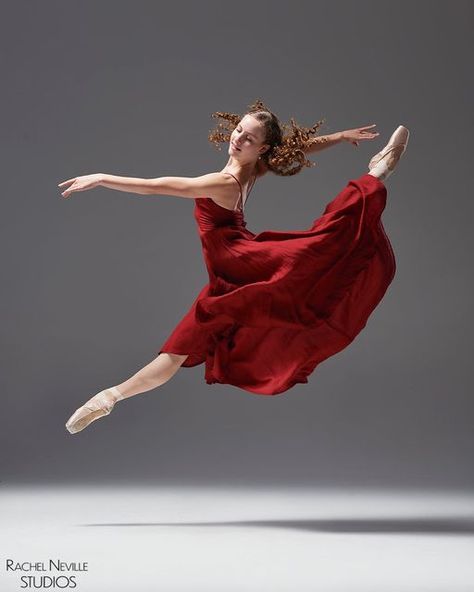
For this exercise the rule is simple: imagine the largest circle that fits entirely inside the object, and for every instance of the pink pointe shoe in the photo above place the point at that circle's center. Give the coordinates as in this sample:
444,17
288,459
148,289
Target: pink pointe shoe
384,162
98,406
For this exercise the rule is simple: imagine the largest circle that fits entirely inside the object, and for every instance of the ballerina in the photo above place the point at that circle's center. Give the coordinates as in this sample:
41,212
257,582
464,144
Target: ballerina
277,303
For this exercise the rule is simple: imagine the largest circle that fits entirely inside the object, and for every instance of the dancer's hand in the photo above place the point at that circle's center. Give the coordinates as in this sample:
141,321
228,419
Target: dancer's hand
360,133
80,183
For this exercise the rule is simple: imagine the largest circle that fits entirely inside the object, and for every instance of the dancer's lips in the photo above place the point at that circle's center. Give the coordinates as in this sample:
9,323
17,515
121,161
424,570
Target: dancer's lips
234,146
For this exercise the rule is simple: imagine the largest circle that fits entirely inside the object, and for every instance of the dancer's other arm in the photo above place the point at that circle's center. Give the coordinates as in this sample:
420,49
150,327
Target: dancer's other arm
320,142
353,135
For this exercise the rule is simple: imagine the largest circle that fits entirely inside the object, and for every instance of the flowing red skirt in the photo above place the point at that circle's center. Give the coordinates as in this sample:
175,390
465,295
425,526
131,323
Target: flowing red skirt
279,303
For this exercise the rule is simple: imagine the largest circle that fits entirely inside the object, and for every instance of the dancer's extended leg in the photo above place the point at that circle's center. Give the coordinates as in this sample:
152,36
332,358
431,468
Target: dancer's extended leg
154,374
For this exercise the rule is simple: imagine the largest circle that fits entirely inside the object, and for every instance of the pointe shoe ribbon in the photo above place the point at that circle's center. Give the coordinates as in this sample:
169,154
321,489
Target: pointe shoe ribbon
396,146
98,406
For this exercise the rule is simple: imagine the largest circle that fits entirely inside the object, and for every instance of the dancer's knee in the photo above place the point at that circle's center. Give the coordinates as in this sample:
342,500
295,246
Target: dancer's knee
162,368
176,358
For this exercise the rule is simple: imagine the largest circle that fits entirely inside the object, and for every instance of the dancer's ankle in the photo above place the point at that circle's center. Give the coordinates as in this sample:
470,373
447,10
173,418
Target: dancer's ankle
116,393
381,171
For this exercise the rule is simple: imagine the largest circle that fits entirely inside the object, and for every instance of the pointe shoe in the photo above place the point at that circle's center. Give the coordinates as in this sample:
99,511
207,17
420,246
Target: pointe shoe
98,406
385,161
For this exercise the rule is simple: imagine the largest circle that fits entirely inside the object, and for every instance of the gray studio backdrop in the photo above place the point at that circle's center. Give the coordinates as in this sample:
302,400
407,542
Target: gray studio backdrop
93,285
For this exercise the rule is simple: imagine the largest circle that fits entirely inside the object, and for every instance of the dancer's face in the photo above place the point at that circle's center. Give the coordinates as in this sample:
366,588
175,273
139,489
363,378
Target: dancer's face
247,141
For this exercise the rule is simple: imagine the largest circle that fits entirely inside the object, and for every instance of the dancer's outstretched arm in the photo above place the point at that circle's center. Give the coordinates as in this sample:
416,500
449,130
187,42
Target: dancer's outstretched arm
320,142
218,185
353,135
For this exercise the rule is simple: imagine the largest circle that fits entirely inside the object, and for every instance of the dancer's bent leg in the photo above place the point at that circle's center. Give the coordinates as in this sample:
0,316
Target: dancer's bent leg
154,374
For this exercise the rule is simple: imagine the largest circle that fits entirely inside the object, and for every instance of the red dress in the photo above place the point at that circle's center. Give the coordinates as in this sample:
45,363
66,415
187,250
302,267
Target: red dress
279,303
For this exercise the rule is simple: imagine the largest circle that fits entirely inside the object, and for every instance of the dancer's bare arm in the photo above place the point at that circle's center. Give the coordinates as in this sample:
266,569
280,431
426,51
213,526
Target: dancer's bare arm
219,186
354,135
320,142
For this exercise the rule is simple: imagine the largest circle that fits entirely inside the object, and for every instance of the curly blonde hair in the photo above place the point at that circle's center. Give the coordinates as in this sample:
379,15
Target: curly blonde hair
286,154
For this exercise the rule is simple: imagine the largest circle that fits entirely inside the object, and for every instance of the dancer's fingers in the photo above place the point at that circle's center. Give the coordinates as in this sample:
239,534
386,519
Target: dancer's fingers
65,182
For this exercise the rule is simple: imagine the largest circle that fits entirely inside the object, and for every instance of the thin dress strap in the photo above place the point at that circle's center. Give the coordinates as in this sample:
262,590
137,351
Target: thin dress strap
240,186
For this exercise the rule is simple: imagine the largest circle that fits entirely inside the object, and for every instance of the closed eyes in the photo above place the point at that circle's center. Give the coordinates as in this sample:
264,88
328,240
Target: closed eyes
248,138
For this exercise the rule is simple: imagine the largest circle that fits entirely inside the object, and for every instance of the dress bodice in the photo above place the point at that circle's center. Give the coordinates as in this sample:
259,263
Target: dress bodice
210,215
